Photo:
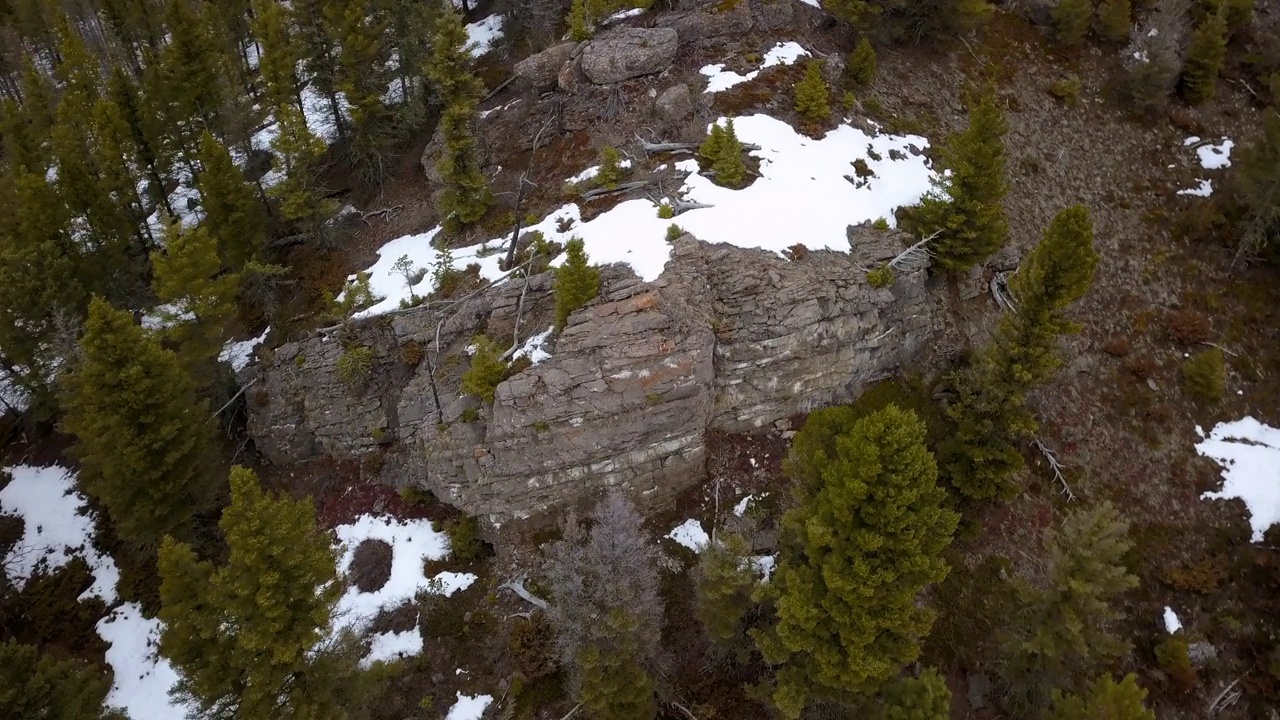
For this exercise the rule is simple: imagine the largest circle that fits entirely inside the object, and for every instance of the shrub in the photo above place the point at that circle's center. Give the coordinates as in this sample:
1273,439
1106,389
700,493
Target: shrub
1203,576
577,282
417,496
881,277
1115,17
674,232
465,543
1204,375
813,98
1067,90
486,370
1071,20
881,224
354,366
1174,659
530,643
861,67
723,151
611,170
412,353
1188,327
665,211
1118,346
1204,59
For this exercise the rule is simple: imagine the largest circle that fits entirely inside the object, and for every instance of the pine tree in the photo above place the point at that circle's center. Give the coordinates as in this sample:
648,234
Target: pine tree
485,371
1064,632
1204,59
989,411
188,277
579,30
233,213
861,68
863,539
192,65
1238,14
728,167
1258,188
360,34
611,170
411,25
147,131
25,126
35,685
813,98
614,685
577,282
723,584
852,12
114,152
280,53
141,434
299,150
710,150
465,197
243,635
320,53
1071,20
1115,18
1105,700
922,698
967,210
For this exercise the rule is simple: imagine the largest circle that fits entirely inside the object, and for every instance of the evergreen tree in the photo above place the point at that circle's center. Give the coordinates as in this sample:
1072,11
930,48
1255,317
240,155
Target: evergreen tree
320,53
1115,18
24,127
922,698
486,370
710,150
611,170
967,210
299,149
862,540
465,196
189,279
141,434
861,68
577,282
146,128
233,213
35,686
1258,188
1105,700
1064,632
360,34
728,167
579,30
280,53
1071,20
1204,59
989,410
852,12
614,685
813,98
114,152
411,25
246,636
1238,15
723,584
192,66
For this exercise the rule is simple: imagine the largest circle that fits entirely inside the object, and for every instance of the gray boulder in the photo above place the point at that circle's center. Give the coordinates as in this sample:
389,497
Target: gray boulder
542,68
774,15
675,103
628,52
712,21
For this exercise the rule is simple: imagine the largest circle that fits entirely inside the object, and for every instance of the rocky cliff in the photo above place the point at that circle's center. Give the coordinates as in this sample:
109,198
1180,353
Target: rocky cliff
727,339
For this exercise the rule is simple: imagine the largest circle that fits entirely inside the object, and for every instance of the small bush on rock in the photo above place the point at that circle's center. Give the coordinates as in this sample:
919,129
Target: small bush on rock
1205,375
611,170
486,370
881,277
354,366
465,543
674,232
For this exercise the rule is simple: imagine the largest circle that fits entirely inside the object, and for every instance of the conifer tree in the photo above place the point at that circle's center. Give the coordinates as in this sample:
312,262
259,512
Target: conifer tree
579,29
147,131
852,12
577,282
411,25
861,68
142,435
485,371
113,154
1064,632
1115,18
922,698
246,636
299,150
1258,187
813,98
35,685
727,166
24,127
233,213
862,540
188,277
1238,14
280,53
1105,700
360,33
614,685
465,196
710,148
967,210
723,584
192,64
611,170
320,53
990,422
1071,20
1204,58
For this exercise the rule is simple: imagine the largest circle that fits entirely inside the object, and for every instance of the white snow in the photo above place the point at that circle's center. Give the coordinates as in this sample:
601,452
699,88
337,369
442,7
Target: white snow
318,112
741,507
165,316
412,542
57,526
690,534
1249,453
142,678
622,15
592,171
469,707
1215,157
764,565
388,646
1191,141
535,347
802,196
1204,189
719,79
483,34
237,354
1171,621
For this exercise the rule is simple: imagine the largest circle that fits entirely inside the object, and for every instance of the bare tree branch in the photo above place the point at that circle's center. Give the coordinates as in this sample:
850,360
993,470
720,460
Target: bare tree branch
517,587
915,257
619,188
1051,457
1000,291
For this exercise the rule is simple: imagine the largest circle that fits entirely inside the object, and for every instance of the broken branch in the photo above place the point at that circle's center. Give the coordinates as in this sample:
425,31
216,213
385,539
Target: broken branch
1051,457
620,188
517,587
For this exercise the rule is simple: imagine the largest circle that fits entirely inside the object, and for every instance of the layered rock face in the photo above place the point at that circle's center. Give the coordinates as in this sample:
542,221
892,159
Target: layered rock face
726,339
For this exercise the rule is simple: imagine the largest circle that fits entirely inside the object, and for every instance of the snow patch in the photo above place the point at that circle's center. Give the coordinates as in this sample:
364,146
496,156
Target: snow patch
1215,157
142,678
1204,189
57,526
469,707
238,354
719,79
1249,453
535,347
389,646
592,171
483,35
691,535
741,508
764,564
1171,621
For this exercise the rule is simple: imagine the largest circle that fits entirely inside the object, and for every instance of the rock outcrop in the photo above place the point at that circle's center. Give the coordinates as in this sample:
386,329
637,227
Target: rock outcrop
726,339
628,52
542,69
712,18
675,103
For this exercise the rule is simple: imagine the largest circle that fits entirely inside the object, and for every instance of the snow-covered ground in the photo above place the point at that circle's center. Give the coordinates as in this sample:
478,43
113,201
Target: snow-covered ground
412,542
803,196
1171,622
719,79
482,35
238,353
1211,156
593,171
1249,453
691,535
469,707
534,348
